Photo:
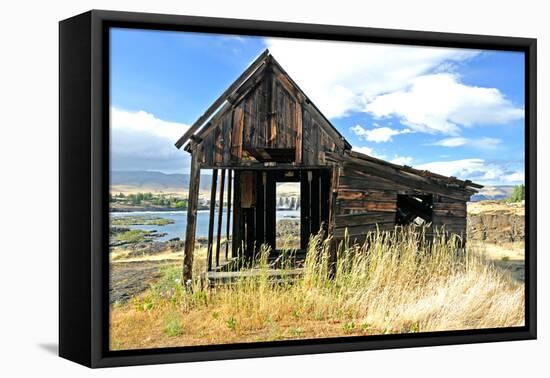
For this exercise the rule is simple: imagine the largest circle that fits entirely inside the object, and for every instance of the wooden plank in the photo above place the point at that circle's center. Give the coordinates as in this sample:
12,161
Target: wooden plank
362,230
305,210
450,212
237,229
315,202
334,181
237,133
211,217
247,189
450,206
298,122
371,217
250,220
272,106
192,204
228,222
270,209
386,206
369,195
447,220
218,146
324,182
260,208
368,182
220,217
220,100
227,125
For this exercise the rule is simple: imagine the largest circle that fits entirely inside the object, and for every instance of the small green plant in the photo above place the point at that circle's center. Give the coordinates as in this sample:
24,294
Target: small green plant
231,323
505,258
296,331
366,327
348,327
145,305
173,327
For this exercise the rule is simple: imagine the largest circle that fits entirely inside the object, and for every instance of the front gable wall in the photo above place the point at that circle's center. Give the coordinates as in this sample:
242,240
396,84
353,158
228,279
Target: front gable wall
271,121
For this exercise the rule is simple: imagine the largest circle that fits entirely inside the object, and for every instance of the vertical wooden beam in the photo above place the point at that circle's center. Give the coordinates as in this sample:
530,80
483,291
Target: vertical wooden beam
325,197
298,123
250,232
334,183
211,217
272,107
192,203
236,215
237,134
270,209
229,186
220,217
260,208
315,201
305,204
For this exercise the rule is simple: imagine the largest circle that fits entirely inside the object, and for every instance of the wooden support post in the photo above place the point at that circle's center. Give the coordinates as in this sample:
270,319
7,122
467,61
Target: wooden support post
270,210
220,217
229,186
192,203
237,230
211,217
334,183
315,203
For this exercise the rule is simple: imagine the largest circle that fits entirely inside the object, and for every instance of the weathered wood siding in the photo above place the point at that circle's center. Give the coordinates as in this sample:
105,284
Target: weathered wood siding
363,203
366,199
450,214
317,138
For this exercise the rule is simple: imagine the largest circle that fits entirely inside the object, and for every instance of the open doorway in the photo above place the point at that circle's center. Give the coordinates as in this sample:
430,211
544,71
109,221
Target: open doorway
288,220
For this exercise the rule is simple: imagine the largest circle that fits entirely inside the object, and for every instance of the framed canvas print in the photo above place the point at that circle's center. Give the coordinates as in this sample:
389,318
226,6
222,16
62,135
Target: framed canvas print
235,188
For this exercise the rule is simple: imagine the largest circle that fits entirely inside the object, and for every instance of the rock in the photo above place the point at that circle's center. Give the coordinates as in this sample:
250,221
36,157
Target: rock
496,226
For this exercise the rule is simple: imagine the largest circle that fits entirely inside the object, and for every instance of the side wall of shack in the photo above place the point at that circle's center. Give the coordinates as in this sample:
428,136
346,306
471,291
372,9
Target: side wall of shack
367,198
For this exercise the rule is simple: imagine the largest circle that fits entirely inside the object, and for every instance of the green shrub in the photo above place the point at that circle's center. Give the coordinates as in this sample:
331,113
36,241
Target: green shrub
518,194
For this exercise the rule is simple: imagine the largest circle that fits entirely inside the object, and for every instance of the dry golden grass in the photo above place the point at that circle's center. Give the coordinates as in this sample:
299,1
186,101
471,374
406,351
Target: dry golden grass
394,283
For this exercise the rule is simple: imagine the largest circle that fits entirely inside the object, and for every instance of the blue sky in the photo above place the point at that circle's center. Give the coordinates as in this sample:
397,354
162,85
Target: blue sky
453,111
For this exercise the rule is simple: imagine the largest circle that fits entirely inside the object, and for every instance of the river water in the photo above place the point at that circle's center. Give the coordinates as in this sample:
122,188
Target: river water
177,229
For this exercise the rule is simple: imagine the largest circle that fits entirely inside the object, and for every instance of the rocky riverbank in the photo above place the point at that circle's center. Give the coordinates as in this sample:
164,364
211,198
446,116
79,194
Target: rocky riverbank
496,222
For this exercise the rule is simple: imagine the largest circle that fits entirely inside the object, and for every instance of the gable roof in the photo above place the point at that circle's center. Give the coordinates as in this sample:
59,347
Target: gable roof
243,83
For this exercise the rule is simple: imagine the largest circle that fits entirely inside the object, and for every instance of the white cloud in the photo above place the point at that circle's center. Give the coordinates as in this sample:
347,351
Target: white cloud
354,74
451,142
482,143
475,169
457,168
378,134
140,121
368,151
141,141
439,103
515,177
402,160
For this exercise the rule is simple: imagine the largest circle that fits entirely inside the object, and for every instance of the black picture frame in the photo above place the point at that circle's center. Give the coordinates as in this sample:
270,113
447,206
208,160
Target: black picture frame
84,186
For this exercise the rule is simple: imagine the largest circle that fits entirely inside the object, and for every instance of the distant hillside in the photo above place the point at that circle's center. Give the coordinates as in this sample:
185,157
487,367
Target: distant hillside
152,181
493,193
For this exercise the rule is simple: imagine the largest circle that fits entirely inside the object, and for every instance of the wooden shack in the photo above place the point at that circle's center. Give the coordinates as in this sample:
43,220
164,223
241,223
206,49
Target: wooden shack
264,130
